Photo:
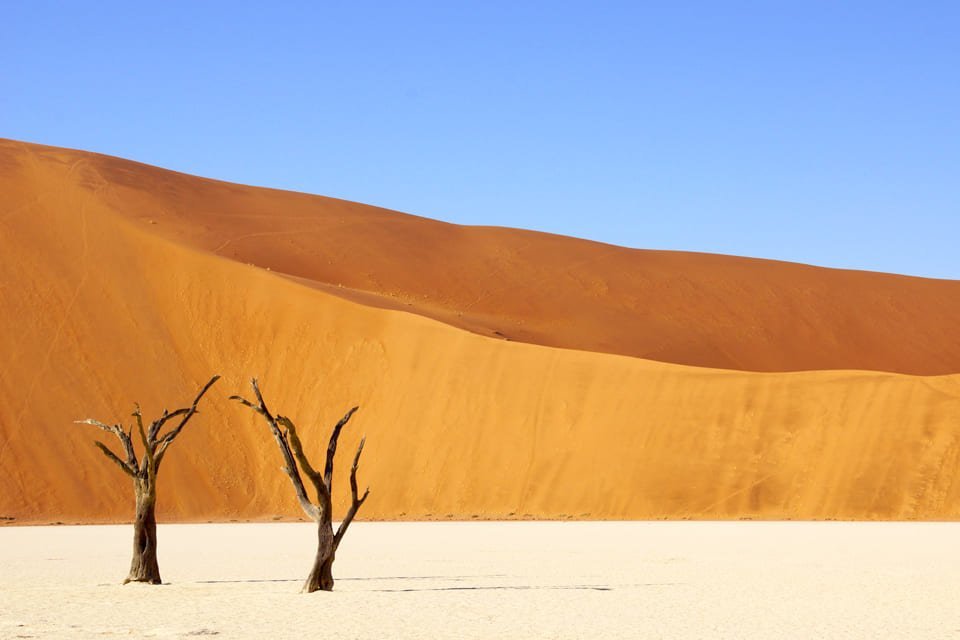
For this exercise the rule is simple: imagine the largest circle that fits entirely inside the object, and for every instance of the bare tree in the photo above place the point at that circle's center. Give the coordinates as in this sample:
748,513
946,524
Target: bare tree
321,576
143,567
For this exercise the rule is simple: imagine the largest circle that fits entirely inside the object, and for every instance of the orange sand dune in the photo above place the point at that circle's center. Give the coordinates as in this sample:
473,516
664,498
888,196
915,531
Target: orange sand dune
112,291
697,309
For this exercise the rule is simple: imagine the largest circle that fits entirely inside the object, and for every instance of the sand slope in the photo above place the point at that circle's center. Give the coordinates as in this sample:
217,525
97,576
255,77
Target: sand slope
100,308
696,309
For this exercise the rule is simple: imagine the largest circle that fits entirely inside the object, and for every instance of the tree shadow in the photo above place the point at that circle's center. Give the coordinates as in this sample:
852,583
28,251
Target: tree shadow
251,580
545,587
502,587
585,587
448,578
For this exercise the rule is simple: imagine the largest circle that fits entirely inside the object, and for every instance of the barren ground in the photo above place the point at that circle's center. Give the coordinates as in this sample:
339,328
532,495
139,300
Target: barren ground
492,580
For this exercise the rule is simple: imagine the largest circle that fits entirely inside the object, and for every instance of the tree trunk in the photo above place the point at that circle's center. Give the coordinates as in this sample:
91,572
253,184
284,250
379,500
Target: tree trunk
143,566
321,576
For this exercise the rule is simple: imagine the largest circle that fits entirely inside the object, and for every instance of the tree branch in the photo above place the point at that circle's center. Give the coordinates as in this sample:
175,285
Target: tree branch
124,438
114,429
148,445
356,501
332,449
166,439
113,458
159,422
128,449
138,415
290,465
323,493
243,400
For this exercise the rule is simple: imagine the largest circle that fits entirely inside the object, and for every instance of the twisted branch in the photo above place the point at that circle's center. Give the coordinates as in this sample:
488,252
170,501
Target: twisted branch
113,457
148,447
296,461
332,449
130,465
323,491
166,439
153,447
289,464
356,502
159,422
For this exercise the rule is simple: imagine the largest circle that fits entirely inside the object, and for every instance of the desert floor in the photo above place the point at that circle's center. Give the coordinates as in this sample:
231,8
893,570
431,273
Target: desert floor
492,580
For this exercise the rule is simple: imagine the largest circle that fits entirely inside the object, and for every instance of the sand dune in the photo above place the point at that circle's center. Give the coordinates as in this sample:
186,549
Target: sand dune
121,282
696,309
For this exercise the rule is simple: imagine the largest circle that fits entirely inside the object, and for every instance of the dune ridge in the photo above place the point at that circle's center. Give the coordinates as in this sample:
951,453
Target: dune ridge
697,309
115,289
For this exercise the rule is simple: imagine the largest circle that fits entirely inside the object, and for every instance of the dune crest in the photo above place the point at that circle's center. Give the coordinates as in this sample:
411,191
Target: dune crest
686,308
122,283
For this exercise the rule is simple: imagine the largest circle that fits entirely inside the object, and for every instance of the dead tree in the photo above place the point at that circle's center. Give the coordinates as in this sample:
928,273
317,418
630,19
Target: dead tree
143,567
321,576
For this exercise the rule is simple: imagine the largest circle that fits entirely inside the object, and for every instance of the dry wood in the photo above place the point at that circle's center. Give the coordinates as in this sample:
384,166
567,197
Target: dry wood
296,462
143,566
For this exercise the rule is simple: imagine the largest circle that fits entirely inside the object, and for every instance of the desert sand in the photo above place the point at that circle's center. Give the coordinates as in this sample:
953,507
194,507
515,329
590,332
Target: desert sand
492,580
500,373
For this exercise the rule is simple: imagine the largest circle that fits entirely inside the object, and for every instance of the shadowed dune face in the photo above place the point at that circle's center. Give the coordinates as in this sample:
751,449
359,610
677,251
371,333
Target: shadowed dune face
122,283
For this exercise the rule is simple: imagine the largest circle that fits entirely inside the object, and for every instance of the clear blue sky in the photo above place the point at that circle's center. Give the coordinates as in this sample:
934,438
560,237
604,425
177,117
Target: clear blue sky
820,132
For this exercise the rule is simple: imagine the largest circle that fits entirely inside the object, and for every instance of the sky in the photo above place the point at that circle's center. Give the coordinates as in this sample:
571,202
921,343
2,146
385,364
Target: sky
817,132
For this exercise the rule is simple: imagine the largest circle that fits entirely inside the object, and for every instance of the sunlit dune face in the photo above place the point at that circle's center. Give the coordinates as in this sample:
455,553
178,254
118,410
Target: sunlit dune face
499,373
